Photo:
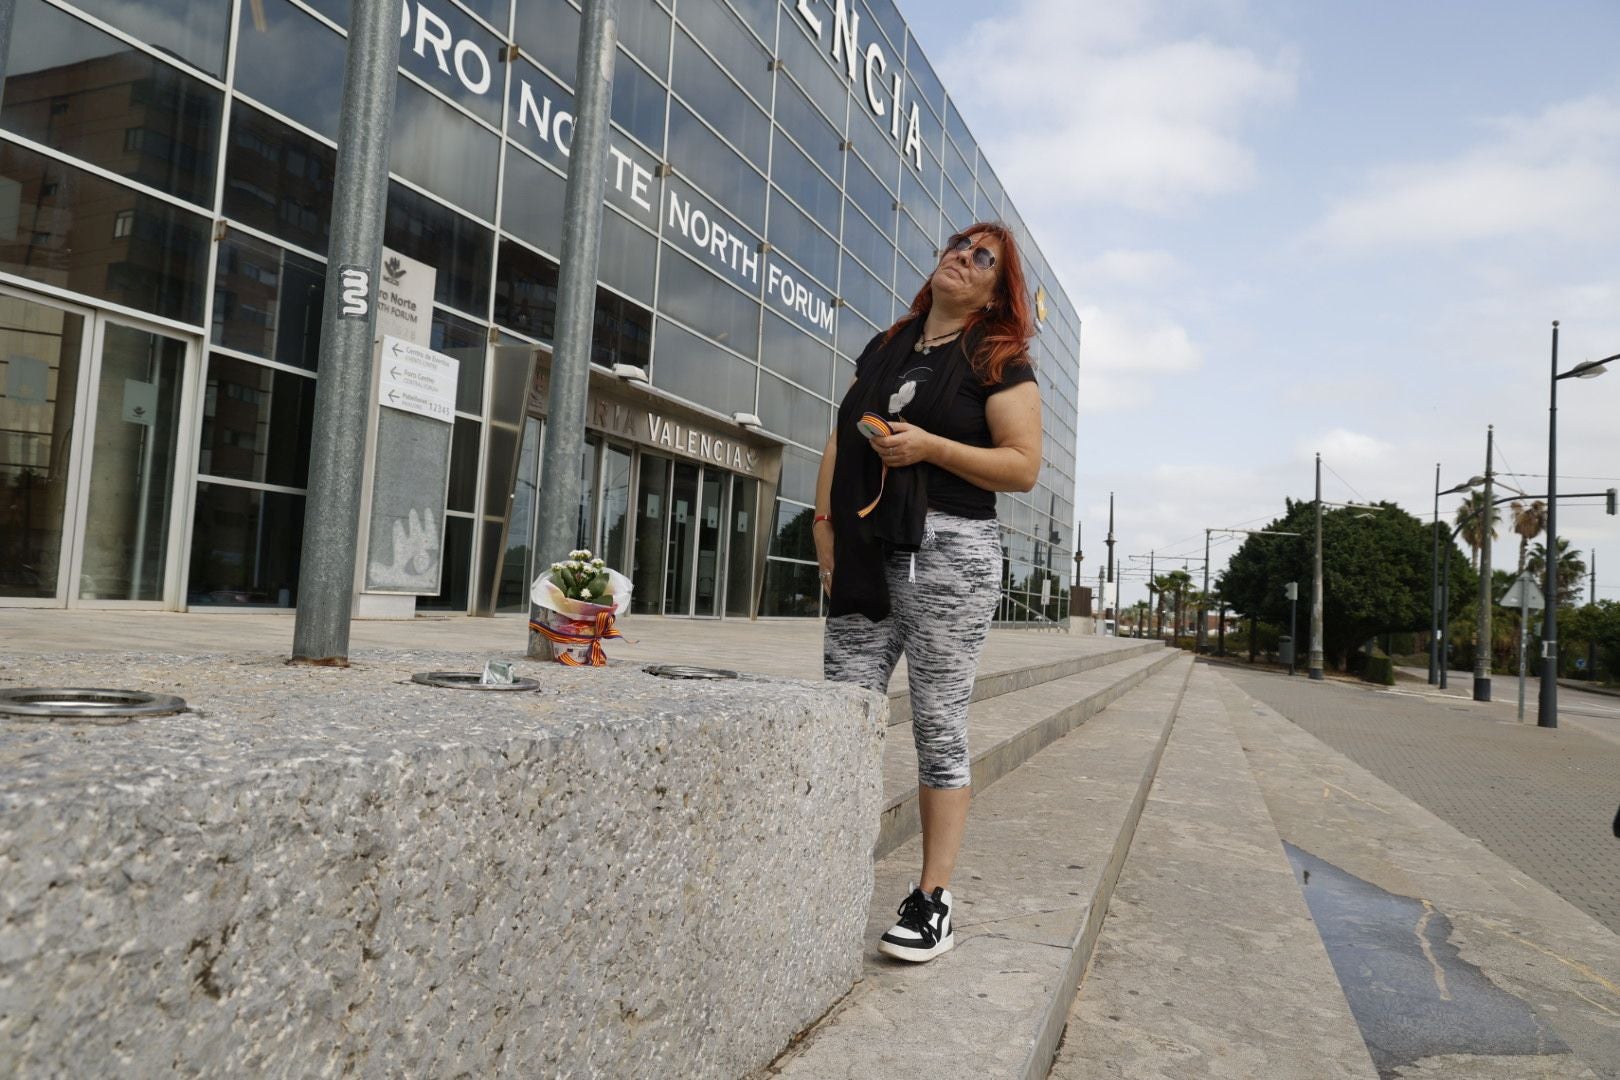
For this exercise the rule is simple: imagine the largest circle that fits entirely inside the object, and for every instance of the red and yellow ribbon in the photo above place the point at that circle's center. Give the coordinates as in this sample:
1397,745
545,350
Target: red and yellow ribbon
598,657
872,426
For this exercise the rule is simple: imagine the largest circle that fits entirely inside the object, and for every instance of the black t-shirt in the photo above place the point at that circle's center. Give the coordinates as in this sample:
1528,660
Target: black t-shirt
964,421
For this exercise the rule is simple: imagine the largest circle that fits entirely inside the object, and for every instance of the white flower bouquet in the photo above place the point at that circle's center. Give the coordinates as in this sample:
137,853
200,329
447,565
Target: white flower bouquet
578,599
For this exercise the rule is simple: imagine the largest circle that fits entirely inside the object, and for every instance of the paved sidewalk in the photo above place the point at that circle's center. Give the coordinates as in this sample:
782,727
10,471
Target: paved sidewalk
1542,799
1591,708
785,647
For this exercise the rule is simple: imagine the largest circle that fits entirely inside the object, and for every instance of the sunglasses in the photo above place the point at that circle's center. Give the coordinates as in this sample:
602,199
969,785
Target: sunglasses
982,258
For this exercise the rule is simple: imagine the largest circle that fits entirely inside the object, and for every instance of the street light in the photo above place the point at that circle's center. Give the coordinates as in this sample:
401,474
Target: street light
1482,633
1436,658
1547,714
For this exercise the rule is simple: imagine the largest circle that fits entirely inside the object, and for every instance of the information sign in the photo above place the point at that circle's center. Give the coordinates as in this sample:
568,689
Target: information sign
416,379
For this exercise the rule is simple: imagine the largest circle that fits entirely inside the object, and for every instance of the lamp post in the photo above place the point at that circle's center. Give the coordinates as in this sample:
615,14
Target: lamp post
1547,712
1316,585
1436,629
1487,525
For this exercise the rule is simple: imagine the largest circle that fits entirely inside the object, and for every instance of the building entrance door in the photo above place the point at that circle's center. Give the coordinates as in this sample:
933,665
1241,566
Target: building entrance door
92,422
679,556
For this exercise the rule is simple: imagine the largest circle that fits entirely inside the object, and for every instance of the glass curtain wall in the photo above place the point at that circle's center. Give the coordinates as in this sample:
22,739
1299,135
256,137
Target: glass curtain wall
767,212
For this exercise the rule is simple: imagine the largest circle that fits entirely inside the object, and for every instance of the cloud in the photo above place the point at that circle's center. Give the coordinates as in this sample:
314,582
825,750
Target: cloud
1118,117
1136,269
1346,448
1554,173
1124,350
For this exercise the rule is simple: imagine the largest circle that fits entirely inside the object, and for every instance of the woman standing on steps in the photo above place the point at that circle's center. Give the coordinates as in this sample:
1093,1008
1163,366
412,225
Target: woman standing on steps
943,413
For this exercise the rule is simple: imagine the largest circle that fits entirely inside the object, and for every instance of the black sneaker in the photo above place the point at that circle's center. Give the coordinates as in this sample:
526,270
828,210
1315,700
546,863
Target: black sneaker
924,929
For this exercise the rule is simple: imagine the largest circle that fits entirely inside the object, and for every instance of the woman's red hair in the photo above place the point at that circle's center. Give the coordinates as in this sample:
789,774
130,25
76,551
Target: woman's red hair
1007,326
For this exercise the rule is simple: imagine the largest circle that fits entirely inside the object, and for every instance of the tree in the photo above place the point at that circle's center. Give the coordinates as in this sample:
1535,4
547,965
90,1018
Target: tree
1375,574
1473,514
1179,584
1529,521
1597,625
1138,612
1571,569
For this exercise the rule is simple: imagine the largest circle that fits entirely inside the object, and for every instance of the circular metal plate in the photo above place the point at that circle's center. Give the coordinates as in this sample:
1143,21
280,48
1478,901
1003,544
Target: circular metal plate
85,704
686,671
469,680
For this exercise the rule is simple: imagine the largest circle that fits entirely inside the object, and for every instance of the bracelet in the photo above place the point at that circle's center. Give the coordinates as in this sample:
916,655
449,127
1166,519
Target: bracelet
821,517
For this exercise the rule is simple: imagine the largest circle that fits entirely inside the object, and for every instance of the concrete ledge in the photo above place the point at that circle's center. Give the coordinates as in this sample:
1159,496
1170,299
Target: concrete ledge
340,871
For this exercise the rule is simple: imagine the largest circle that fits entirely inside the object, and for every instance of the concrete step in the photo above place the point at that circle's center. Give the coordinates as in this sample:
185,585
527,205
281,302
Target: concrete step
1008,727
1209,963
1042,851
1000,673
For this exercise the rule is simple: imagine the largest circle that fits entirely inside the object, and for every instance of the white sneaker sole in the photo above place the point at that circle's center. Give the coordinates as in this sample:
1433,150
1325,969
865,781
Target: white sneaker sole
916,956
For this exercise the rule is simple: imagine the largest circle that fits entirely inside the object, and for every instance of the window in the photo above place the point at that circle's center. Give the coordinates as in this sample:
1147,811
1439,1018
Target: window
123,224
95,82
159,266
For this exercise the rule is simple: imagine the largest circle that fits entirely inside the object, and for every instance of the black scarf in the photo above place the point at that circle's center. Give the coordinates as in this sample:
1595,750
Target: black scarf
860,545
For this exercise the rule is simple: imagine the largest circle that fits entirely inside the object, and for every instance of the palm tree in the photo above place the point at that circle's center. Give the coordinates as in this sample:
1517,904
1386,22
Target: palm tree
1179,583
1571,569
1473,515
1529,521
1139,612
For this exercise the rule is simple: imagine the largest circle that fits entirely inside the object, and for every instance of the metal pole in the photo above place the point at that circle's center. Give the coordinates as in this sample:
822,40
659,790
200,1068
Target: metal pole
1316,584
1293,618
576,296
1486,526
1524,617
1204,598
348,320
1434,588
1220,631
1547,711
1445,612
1153,620
1110,540
7,7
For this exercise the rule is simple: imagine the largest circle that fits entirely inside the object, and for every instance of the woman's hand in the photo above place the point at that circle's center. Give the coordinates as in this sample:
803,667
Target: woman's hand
823,532
908,445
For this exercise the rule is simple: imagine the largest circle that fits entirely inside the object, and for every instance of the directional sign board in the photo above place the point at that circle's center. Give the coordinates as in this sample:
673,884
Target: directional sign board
1524,593
416,379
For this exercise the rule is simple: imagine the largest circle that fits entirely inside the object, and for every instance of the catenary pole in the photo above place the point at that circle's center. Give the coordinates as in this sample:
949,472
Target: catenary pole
7,9
1203,599
1316,585
559,497
348,320
1486,526
1547,703
1434,588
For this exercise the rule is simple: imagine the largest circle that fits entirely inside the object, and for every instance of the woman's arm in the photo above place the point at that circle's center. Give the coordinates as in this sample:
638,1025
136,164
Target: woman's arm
1011,463
822,529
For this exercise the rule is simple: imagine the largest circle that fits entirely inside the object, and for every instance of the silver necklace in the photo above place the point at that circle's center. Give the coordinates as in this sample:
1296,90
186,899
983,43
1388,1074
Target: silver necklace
926,345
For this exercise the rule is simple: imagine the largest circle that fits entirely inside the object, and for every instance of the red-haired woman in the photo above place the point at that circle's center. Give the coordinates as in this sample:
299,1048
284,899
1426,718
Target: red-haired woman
943,413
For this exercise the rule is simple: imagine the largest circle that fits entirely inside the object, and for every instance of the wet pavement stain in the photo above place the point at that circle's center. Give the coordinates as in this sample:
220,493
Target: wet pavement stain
1411,993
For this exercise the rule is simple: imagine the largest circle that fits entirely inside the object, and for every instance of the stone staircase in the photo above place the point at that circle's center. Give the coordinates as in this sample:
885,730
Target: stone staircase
1063,772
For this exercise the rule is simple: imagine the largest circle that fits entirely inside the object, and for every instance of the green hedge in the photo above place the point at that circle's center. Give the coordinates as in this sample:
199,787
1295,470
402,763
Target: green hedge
1379,668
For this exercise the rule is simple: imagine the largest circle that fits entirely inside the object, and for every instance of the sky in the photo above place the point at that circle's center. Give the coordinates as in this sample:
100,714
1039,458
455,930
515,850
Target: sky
1301,227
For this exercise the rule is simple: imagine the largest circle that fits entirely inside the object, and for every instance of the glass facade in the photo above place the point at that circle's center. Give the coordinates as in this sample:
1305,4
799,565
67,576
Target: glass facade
774,198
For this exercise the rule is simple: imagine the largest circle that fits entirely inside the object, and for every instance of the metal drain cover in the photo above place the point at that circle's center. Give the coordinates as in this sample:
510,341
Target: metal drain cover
86,704
470,680
686,671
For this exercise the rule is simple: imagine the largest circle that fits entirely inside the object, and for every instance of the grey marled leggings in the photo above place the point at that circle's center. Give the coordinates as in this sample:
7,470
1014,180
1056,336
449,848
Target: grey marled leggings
939,621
